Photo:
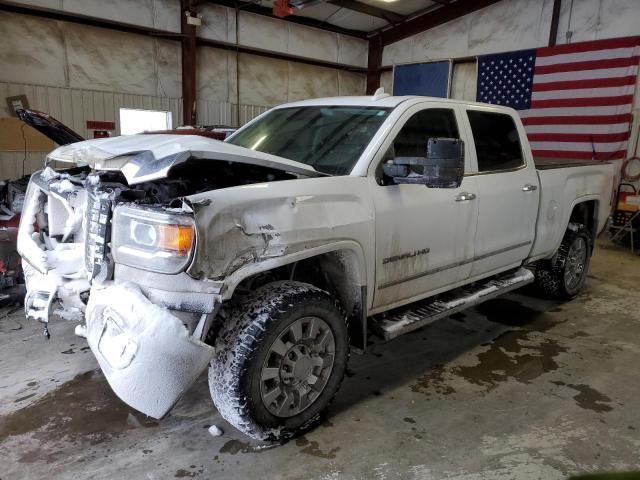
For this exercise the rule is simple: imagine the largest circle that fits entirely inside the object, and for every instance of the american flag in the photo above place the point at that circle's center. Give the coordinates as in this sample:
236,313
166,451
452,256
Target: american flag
574,100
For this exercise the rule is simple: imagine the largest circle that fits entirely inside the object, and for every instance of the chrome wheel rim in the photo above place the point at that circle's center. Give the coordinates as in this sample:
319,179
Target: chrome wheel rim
297,367
575,263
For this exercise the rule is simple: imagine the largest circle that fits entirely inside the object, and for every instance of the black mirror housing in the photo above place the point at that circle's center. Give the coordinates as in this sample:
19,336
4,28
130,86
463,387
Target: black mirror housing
442,166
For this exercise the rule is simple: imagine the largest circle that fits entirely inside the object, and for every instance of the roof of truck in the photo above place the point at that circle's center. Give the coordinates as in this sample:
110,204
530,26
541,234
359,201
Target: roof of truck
387,101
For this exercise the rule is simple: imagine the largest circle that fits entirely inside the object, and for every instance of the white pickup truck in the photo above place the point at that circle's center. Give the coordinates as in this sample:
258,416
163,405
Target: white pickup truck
266,256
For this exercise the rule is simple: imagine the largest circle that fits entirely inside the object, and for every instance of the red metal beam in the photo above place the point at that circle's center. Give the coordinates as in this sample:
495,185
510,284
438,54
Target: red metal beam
189,116
555,20
373,64
432,19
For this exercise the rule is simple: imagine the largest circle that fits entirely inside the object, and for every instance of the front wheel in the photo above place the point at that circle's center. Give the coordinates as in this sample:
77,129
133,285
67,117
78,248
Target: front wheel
280,359
564,275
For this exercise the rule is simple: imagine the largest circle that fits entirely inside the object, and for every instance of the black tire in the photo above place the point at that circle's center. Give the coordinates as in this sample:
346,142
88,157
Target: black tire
244,343
551,275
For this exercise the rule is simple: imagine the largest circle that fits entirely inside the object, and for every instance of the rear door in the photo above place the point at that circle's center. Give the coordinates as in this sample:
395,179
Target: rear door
508,193
424,236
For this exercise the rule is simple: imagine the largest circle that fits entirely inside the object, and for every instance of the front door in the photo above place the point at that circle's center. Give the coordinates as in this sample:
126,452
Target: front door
424,236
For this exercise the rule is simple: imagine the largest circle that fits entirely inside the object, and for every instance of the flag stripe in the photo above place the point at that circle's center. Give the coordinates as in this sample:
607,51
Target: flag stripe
578,120
585,56
583,102
584,93
578,111
579,146
593,45
588,65
585,129
579,155
586,74
589,83
578,137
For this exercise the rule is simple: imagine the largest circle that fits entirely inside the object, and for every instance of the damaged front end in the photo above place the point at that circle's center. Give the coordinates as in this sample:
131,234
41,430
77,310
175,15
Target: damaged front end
112,239
95,249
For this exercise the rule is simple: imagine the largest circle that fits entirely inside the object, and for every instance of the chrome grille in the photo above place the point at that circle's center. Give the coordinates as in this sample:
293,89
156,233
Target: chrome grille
98,211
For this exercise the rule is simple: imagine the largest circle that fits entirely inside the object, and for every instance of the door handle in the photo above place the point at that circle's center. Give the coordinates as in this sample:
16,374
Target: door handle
463,197
529,188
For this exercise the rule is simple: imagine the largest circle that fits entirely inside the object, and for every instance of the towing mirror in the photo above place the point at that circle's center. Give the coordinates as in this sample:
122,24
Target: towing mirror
441,167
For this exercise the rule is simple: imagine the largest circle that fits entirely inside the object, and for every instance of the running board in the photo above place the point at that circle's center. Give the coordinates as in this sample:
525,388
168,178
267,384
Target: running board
413,316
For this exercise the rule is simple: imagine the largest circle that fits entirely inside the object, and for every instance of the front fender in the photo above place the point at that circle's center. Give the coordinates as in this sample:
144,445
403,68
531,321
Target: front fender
252,228
292,256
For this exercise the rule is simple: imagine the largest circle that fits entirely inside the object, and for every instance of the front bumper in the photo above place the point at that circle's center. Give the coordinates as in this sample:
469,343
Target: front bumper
145,352
147,336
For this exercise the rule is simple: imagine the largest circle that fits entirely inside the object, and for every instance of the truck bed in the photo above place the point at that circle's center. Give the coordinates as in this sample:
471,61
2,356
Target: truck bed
551,163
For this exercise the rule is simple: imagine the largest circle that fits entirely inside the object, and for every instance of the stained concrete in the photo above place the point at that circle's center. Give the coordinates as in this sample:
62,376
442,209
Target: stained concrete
518,388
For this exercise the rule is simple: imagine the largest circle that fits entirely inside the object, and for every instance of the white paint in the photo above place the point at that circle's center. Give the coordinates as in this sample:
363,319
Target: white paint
144,351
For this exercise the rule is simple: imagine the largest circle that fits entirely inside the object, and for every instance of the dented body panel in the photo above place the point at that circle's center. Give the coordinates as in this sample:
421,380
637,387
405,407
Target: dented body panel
246,214
241,228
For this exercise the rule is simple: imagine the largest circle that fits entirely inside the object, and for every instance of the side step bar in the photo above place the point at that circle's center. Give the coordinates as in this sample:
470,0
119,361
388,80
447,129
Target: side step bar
411,317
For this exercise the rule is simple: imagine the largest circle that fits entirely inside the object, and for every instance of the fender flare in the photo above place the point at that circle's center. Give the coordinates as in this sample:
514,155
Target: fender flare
233,280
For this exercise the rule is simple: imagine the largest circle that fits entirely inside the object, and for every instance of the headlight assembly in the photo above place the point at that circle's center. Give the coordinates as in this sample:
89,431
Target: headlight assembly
154,240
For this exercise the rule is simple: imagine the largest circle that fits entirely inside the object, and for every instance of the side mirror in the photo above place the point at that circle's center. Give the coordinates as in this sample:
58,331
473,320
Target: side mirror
441,167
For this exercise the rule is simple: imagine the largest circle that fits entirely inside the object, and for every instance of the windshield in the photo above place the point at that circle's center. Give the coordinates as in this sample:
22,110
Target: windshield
330,139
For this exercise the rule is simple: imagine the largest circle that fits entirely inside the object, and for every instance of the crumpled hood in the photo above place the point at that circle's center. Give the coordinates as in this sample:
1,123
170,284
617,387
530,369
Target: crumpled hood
143,158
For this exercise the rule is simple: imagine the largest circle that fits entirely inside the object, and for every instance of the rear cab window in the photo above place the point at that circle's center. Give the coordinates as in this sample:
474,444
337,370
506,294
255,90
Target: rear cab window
497,141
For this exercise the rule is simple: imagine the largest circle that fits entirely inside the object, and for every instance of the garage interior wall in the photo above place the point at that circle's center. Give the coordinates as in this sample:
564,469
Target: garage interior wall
515,25
78,73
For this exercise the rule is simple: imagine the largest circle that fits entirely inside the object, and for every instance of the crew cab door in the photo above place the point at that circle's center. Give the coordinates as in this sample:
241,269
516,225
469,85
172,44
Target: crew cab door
508,194
424,236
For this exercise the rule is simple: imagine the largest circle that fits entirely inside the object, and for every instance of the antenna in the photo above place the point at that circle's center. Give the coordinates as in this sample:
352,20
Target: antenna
379,94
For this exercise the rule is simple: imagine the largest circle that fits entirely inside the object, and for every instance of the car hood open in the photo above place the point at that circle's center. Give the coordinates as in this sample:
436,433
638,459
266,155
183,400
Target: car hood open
49,126
143,158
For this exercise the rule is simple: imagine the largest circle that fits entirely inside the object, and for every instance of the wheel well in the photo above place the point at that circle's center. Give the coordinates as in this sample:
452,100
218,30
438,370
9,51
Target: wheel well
336,272
585,213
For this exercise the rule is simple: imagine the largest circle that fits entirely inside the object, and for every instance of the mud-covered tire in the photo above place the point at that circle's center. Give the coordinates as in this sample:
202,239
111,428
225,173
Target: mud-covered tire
244,346
551,275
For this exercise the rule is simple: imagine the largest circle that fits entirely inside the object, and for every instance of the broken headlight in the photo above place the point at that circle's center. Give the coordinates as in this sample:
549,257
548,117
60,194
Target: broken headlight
154,240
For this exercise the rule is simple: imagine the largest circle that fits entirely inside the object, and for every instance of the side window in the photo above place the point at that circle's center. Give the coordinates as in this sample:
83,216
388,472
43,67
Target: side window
497,141
411,141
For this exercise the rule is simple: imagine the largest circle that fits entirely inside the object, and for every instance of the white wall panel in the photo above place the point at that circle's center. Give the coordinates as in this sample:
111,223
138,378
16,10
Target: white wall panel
262,32
263,81
159,14
218,23
311,42
41,51
464,81
31,48
597,19
257,31
517,24
307,81
266,81
351,83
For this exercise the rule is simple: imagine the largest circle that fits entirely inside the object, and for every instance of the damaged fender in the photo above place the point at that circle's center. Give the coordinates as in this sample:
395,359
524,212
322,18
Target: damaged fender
146,353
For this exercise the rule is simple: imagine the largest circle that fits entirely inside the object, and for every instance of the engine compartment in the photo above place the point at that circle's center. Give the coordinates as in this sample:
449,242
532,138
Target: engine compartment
187,178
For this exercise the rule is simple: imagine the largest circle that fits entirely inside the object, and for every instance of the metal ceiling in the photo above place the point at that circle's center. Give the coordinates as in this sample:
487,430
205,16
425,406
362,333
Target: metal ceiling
361,18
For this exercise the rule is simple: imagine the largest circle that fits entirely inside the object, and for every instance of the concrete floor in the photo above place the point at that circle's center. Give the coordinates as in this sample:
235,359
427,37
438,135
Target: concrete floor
517,388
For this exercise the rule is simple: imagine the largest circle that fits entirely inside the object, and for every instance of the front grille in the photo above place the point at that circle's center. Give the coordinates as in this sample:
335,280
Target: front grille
97,229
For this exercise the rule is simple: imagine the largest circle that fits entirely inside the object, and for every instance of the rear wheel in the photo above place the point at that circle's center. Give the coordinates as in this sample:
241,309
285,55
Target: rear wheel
564,275
280,359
